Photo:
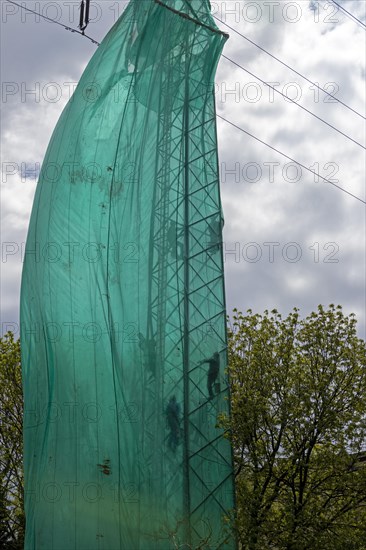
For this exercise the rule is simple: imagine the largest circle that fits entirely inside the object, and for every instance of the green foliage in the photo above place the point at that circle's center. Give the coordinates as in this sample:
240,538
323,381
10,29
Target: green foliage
11,462
298,429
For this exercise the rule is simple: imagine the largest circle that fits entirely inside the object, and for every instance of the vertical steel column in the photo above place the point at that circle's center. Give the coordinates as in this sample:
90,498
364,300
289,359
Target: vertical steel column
186,335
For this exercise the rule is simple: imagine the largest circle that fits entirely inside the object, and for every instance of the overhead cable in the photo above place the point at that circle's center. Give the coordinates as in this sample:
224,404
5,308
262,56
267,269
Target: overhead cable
292,69
296,103
291,159
349,14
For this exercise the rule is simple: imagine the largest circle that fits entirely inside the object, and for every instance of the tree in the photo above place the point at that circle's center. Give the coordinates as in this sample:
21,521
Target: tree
298,427
12,519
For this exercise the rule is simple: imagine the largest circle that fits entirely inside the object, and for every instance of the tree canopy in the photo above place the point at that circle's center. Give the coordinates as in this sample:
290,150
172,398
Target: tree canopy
298,430
11,445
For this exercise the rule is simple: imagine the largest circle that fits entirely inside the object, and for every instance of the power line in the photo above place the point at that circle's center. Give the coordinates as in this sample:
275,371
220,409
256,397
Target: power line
349,14
66,27
54,21
291,159
295,102
291,68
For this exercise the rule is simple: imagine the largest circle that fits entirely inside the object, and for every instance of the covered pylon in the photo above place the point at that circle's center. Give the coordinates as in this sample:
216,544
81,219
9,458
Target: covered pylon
123,321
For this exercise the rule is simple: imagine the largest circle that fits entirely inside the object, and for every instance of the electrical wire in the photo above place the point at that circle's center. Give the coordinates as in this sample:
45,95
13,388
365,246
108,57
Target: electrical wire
54,21
291,159
223,118
66,27
349,14
295,102
291,68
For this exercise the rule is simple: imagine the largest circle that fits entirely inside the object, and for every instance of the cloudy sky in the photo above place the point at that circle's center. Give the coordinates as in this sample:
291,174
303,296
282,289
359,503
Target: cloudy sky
290,238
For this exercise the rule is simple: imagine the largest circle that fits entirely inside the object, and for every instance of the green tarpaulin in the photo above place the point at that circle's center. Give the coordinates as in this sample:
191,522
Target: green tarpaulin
122,307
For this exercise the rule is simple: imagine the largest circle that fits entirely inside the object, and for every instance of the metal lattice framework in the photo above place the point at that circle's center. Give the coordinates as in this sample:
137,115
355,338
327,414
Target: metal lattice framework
189,278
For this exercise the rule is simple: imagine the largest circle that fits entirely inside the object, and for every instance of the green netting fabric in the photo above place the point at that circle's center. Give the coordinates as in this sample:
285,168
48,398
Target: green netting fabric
122,306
